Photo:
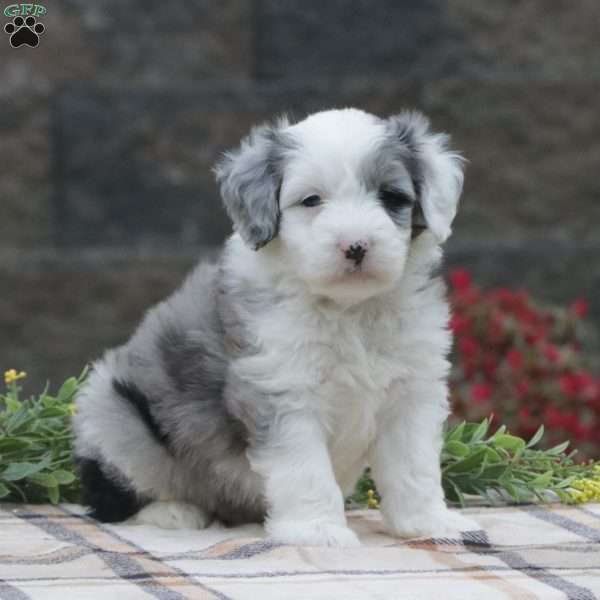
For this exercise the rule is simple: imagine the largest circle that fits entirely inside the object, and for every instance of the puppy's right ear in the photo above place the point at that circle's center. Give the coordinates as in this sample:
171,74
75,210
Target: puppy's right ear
250,178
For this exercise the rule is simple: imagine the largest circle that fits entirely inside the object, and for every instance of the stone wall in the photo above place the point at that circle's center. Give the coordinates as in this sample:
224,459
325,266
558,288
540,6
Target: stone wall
109,128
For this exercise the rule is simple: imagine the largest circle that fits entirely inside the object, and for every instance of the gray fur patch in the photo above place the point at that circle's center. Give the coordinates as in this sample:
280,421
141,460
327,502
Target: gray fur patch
250,179
178,360
402,141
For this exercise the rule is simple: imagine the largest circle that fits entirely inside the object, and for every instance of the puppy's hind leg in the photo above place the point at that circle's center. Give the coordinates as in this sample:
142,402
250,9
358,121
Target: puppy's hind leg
125,455
171,514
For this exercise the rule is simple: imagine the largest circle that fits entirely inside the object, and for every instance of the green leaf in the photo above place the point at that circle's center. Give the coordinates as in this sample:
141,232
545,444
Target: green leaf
4,491
493,471
499,431
512,490
12,404
459,495
19,470
12,444
456,448
509,442
17,420
63,477
53,495
471,462
537,436
563,496
492,456
542,481
559,449
68,388
455,434
44,479
51,412
565,483
481,430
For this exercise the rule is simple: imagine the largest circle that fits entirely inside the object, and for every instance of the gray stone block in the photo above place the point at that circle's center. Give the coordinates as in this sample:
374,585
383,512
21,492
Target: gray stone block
124,42
407,40
151,16
25,209
531,39
533,151
56,315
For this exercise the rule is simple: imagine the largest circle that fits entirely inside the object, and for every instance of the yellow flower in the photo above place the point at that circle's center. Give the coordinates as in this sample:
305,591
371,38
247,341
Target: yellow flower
372,502
586,489
12,375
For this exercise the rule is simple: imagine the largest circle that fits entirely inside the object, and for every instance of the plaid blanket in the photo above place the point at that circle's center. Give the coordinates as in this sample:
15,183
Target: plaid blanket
528,552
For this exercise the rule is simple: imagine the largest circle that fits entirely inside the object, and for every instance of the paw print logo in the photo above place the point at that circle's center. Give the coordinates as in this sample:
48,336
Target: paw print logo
24,31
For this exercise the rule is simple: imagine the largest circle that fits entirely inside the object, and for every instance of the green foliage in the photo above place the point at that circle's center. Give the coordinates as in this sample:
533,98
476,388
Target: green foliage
504,466
36,459
360,497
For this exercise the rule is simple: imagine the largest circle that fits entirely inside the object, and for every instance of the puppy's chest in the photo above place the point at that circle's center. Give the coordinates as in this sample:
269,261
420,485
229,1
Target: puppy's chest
357,364
342,367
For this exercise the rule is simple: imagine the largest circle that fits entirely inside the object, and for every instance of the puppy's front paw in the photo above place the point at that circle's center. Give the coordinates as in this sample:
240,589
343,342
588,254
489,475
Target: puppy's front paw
311,533
436,522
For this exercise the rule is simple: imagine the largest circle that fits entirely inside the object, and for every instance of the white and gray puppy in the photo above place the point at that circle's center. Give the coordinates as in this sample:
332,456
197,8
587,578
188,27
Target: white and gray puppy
314,347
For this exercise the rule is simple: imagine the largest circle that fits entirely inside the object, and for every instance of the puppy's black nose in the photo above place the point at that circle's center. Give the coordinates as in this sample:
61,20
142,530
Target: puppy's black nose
356,252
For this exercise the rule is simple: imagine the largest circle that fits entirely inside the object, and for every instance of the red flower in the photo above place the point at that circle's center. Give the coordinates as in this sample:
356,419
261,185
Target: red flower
515,359
503,296
552,353
481,393
586,380
580,307
524,413
468,346
460,280
523,387
572,384
536,334
526,315
569,384
459,324
553,417
490,366
495,330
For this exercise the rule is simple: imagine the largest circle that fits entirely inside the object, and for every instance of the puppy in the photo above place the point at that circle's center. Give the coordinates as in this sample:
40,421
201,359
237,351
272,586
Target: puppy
315,346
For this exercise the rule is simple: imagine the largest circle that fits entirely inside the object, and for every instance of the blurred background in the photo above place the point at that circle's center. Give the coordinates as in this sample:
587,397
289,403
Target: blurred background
109,129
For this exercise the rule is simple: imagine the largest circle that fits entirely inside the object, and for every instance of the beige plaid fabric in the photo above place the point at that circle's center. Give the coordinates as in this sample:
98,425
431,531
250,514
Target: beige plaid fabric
529,552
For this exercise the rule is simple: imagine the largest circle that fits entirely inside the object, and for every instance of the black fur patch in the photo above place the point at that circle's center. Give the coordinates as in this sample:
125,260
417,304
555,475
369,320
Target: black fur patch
109,500
138,401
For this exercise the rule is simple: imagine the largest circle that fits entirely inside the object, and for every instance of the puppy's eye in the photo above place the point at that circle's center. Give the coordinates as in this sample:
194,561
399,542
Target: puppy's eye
394,199
310,201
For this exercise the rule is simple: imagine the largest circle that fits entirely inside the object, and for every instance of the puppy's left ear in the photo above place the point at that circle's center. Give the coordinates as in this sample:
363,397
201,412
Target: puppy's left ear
250,178
437,171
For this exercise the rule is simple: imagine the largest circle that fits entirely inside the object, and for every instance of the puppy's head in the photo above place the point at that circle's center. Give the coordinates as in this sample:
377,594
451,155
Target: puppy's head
345,194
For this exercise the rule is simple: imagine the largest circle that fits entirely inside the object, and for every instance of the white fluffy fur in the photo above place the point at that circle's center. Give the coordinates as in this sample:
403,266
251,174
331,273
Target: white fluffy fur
355,360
